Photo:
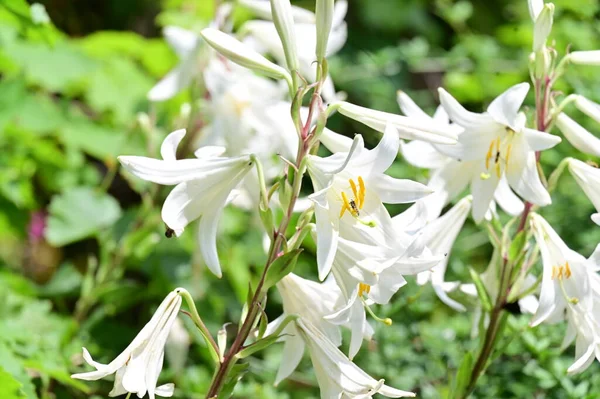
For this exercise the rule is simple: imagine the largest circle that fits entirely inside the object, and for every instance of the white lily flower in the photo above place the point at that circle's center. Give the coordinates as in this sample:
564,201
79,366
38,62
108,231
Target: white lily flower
578,136
566,275
372,273
137,368
203,187
186,45
338,377
571,289
588,178
502,145
310,301
439,236
449,176
584,329
350,189
247,114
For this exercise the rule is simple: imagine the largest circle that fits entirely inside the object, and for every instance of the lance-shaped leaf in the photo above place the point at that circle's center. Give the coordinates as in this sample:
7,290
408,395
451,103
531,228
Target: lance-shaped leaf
281,267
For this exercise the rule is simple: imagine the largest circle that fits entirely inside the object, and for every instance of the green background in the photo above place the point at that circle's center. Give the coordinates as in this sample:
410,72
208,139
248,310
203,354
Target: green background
70,93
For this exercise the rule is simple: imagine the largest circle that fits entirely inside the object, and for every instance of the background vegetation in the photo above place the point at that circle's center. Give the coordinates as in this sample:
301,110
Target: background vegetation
83,257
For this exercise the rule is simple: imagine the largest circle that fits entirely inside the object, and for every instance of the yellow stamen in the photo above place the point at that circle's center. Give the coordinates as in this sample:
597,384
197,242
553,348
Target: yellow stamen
554,269
489,155
353,187
498,172
345,205
508,148
567,270
361,192
363,289
558,272
498,145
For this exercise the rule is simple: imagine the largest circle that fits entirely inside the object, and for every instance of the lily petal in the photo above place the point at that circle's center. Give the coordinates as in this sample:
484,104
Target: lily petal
505,107
399,191
458,114
168,149
578,136
540,141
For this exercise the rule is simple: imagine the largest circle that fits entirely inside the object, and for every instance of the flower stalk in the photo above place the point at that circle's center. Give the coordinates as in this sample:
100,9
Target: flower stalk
275,250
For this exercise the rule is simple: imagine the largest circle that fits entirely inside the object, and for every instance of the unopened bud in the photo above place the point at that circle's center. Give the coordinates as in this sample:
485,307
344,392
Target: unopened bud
585,57
324,14
284,23
543,27
243,55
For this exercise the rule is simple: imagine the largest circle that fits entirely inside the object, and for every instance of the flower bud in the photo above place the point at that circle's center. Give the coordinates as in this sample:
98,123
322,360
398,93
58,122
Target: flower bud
324,13
542,27
241,54
535,8
585,57
284,23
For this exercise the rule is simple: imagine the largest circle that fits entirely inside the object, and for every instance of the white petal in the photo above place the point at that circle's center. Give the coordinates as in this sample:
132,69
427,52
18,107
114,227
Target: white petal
176,80
262,9
335,142
588,107
472,144
168,149
535,7
207,239
540,141
526,182
588,178
118,388
583,361
166,390
505,197
409,108
458,114
293,349
327,240
483,193
408,128
578,136
596,218
422,154
380,158
182,41
505,107
175,172
209,151
339,12
398,191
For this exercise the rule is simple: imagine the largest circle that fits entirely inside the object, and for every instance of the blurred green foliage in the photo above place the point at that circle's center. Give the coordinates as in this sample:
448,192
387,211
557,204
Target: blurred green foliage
69,103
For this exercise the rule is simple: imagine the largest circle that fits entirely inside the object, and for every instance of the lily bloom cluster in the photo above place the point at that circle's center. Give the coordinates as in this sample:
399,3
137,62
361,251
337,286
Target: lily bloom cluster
253,117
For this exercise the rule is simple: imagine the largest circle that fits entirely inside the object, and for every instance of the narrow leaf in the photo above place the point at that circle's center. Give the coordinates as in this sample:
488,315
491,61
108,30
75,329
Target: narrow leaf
484,297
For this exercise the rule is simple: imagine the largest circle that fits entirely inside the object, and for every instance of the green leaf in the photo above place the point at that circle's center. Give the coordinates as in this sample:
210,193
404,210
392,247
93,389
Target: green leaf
281,267
80,213
59,69
119,87
517,245
10,388
237,372
257,346
463,375
484,297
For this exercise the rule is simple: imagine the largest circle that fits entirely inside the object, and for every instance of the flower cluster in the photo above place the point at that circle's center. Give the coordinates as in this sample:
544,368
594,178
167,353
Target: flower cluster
253,116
